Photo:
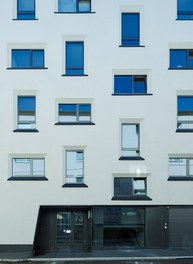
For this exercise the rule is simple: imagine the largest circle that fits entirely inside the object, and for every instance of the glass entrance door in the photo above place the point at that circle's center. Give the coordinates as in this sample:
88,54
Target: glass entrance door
71,229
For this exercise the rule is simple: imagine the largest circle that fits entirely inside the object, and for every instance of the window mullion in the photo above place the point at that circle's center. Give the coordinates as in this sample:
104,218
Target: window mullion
77,112
31,167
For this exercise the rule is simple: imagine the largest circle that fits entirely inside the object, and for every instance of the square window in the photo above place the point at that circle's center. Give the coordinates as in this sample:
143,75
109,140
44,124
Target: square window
130,29
185,9
74,6
185,113
130,84
181,58
130,140
180,167
28,167
26,9
27,59
74,166
26,118
75,58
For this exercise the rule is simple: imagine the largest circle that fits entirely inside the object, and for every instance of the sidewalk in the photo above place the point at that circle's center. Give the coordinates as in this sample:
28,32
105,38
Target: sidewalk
133,254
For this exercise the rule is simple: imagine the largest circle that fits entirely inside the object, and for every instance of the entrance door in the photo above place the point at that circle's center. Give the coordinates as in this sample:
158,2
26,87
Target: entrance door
71,229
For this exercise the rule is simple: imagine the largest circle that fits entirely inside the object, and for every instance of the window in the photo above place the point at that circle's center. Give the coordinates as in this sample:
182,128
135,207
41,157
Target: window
26,119
130,84
74,167
74,114
26,9
185,9
185,113
27,58
180,168
28,168
74,58
129,188
130,29
74,6
181,58
130,141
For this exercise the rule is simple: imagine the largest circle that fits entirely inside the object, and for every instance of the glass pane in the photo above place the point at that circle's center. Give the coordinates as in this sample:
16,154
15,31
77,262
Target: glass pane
130,140
26,111
84,6
140,84
190,167
185,9
21,58
190,59
123,84
178,58
26,9
38,58
139,186
64,229
85,113
130,29
38,167
185,112
74,58
78,227
67,5
177,167
67,113
74,166
21,167
122,186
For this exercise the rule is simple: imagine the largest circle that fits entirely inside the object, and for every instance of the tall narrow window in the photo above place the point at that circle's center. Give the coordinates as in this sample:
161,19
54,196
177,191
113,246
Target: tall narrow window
26,9
130,84
26,112
185,113
74,6
130,29
185,9
74,167
75,58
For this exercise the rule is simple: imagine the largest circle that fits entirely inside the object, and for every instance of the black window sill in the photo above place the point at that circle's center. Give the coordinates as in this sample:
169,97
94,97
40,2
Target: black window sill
26,130
74,124
35,68
82,13
74,185
180,178
180,69
131,158
32,178
74,75
133,94
184,130
125,46
19,19
181,19
131,197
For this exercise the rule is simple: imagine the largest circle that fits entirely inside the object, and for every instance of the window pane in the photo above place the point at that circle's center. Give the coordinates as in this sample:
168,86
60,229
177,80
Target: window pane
26,111
74,166
85,113
67,5
67,113
130,140
74,58
122,186
84,6
26,9
140,84
185,9
190,59
177,167
38,167
122,84
20,58
21,167
185,112
178,58
37,58
130,29
190,167
139,186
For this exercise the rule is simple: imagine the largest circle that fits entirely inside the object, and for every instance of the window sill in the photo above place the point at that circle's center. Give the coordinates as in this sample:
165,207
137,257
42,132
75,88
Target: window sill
26,130
180,68
186,19
125,46
74,75
180,178
32,178
19,19
131,197
41,68
74,124
131,158
82,13
184,130
133,94
74,185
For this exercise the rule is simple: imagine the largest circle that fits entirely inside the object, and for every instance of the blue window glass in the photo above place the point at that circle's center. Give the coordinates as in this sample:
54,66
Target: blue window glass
74,6
26,112
130,84
185,112
181,58
185,9
130,29
22,59
74,58
26,9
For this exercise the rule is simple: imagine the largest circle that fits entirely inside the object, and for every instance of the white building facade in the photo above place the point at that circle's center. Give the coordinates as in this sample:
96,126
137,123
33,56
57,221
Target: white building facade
97,124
